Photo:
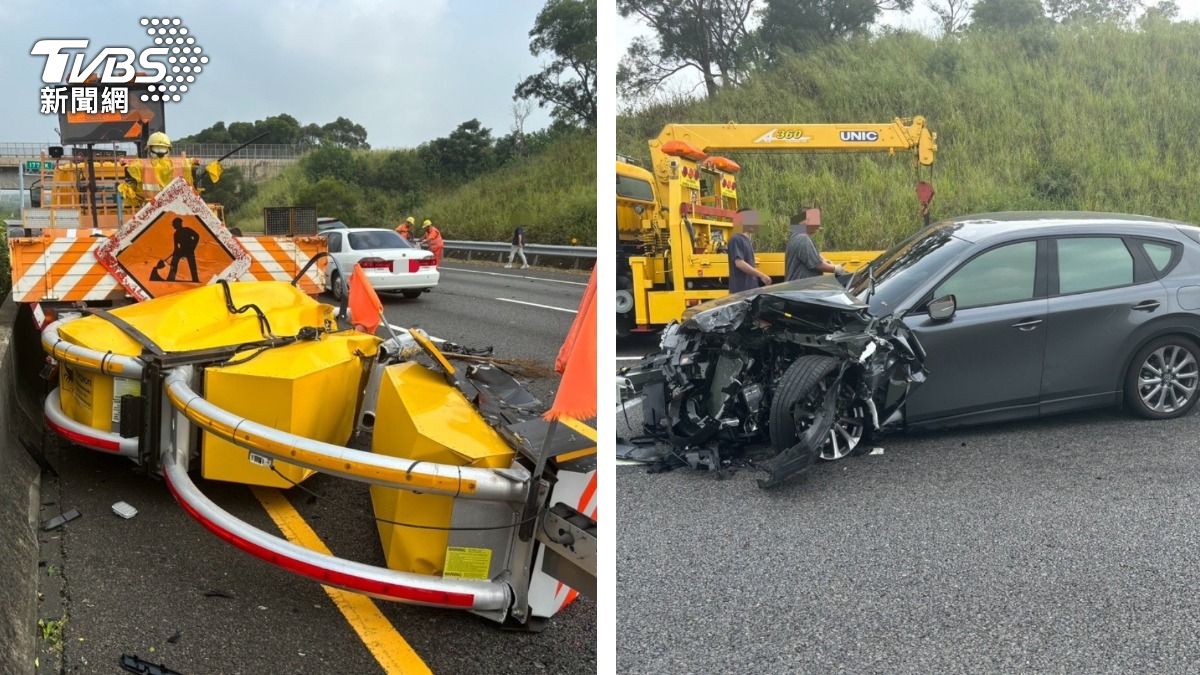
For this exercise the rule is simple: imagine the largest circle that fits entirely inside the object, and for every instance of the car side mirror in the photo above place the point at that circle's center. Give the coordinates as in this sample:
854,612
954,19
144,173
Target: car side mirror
942,308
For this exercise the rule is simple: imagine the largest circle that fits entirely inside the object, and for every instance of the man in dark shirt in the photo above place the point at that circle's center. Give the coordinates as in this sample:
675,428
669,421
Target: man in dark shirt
801,258
743,275
518,248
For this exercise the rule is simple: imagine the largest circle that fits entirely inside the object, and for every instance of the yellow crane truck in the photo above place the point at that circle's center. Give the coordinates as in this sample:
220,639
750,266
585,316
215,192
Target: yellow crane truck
673,220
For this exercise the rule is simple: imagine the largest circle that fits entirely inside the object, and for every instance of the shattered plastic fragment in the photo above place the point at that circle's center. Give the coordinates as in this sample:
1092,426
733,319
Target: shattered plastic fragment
60,520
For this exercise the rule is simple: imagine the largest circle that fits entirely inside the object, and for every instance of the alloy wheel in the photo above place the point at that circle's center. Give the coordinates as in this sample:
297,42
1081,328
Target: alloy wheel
1168,379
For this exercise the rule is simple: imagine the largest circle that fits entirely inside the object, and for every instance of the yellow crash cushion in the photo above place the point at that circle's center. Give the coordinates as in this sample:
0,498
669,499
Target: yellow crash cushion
195,319
419,416
310,389
198,319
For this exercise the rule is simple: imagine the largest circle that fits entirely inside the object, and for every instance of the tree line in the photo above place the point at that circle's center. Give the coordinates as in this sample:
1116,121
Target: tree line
724,41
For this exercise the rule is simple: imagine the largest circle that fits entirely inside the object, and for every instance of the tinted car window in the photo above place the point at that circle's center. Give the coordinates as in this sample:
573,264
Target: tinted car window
1159,253
1004,274
634,188
900,270
335,242
360,241
1092,263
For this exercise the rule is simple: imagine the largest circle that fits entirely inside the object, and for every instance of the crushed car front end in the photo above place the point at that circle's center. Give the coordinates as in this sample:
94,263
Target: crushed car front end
793,372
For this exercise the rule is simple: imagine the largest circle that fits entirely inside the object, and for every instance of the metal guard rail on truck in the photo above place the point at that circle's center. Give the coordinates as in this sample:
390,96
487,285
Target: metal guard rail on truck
83,434
378,582
105,363
588,252
395,472
368,467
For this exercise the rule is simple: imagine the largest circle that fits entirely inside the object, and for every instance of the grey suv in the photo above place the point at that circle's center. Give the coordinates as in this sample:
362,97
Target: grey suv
984,318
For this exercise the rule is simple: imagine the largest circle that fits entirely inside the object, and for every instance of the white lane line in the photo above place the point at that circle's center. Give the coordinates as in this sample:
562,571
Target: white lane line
514,276
629,358
626,462
534,304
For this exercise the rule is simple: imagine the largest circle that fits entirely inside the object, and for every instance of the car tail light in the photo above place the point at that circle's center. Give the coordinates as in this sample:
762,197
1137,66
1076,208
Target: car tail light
376,264
415,264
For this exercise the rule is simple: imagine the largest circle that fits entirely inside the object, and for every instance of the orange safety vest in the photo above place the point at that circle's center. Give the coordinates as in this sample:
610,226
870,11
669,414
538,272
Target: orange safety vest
434,238
402,230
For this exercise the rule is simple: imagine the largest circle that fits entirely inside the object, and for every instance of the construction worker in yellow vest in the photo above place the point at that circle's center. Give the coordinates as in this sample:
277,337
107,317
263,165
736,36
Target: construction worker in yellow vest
145,177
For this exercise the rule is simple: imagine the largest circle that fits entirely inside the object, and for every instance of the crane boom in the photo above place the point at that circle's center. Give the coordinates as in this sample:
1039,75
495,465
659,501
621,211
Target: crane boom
900,135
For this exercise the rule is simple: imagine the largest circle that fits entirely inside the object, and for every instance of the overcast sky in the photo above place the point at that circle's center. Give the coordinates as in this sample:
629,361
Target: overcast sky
407,70
921,18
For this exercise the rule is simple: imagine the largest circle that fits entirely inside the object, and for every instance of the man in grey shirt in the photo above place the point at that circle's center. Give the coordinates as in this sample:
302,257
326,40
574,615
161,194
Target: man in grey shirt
801,259
743,274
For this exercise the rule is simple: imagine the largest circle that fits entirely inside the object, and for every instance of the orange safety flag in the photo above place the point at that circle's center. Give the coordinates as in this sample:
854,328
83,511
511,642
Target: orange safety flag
366,311
576,361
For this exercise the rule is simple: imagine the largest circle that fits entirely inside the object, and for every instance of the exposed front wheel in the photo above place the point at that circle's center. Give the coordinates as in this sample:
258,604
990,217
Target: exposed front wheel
1164,378
795,406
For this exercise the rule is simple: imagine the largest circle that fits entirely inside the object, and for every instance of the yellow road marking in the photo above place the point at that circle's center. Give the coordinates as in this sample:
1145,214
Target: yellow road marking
579,427
577,454
388,647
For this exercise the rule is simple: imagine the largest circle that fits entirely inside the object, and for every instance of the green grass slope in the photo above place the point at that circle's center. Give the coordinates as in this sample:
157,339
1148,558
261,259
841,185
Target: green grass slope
1088,118
552,193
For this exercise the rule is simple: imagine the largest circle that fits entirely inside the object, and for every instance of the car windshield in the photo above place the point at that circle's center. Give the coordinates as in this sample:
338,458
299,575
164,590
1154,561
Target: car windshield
371,239
899,271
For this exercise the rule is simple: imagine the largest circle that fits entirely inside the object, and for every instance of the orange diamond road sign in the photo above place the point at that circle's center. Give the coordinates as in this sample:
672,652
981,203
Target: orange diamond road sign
172,244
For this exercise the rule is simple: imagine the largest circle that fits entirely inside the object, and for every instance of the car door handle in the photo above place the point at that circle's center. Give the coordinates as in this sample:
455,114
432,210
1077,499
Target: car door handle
1146,306
1027,324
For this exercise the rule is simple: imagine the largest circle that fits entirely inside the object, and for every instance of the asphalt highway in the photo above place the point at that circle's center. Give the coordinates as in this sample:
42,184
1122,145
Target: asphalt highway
163,588
1059,545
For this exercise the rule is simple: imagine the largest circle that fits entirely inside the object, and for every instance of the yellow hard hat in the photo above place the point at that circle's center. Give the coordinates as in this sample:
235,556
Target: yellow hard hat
427,223
410,220
159,138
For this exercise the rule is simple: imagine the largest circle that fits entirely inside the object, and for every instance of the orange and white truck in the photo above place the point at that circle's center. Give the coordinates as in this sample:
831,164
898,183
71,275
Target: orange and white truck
75,244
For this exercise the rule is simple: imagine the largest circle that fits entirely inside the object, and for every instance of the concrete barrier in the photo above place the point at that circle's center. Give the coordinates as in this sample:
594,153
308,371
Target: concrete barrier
19,498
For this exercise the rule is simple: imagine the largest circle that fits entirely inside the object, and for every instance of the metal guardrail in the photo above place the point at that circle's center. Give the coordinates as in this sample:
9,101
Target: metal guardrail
255,151
532,251
25,150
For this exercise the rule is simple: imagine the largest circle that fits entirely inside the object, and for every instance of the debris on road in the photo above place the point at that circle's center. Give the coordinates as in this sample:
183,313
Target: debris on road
876,451
125,510
134,664
60,520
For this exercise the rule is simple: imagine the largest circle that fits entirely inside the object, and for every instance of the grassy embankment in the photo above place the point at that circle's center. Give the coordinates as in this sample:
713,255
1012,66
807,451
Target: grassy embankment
552,193
1091,118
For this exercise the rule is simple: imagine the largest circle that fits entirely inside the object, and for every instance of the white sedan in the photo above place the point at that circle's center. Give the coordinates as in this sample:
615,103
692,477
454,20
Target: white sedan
390,262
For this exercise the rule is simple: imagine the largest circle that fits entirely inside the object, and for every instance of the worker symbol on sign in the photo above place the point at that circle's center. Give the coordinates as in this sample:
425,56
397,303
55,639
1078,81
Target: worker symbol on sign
186,240
185,249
